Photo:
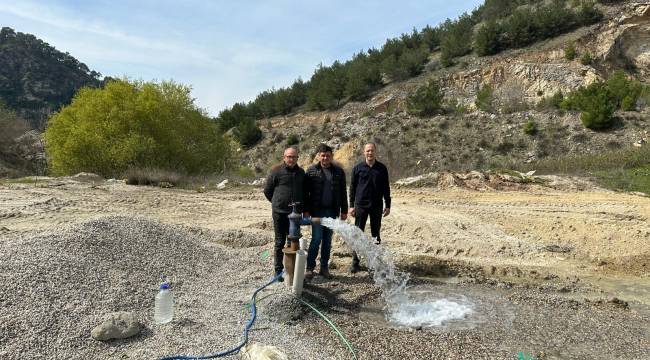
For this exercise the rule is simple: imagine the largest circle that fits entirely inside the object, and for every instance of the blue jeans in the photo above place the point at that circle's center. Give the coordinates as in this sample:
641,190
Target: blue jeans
320,237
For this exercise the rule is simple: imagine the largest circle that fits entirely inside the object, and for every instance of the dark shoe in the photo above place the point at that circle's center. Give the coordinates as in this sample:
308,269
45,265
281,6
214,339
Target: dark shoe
354,268
278,274
325,273
309,274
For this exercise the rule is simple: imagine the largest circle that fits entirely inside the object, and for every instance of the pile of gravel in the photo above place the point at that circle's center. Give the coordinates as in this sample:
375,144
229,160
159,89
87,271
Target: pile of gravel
58,286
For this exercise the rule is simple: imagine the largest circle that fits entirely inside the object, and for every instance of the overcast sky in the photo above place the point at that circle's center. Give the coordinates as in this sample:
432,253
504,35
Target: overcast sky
227,51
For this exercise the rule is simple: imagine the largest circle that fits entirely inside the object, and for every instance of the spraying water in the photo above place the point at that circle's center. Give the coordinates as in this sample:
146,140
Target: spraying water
401,309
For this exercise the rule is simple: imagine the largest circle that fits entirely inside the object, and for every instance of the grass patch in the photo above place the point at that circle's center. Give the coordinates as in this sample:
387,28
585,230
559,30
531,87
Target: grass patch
625,169
23,180
201,183
633,179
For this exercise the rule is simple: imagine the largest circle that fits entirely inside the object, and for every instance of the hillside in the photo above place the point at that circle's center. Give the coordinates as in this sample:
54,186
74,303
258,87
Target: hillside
464,137
36,79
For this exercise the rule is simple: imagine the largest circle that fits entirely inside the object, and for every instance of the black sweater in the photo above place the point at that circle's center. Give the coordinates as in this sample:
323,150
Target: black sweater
284,186
369,185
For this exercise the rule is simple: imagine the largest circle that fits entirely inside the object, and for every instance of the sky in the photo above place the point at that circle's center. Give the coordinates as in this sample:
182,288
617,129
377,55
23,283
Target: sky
227,51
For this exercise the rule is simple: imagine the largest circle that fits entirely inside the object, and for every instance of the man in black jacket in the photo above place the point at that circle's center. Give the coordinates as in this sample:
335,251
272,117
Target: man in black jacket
369,190
284,186
326,197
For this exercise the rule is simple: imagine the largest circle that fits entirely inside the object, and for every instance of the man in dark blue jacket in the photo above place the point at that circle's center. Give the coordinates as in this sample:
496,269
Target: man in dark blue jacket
326,197
369,190
284,186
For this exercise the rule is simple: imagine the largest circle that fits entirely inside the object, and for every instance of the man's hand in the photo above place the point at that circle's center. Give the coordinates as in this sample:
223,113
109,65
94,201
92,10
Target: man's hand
386,212
344,216
352,212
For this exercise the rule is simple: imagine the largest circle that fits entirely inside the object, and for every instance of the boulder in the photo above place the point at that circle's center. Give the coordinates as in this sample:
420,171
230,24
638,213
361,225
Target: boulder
119,325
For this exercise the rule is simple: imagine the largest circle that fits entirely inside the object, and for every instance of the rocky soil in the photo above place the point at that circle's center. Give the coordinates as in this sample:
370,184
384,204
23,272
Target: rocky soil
552,272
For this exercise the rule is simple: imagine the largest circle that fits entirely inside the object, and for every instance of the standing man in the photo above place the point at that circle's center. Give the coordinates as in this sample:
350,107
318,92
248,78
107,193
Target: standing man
285,185
369,190
326,197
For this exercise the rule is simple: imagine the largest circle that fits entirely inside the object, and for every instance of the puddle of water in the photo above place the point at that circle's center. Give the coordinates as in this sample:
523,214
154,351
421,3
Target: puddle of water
402,308
442,308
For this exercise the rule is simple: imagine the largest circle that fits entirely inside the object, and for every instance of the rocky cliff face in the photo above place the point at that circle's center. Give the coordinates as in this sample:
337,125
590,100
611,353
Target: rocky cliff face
470,138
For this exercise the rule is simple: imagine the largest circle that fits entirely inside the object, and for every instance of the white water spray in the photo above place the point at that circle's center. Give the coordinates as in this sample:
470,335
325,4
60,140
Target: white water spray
400,308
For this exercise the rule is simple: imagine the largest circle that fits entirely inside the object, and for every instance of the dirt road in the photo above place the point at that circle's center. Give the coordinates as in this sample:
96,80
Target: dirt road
535,235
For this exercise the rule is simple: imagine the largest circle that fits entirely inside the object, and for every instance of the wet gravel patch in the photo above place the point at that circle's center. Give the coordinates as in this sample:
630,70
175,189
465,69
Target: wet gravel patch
505,323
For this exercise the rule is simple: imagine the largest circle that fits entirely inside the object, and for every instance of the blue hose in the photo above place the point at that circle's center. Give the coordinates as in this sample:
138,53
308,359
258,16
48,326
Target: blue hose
234,350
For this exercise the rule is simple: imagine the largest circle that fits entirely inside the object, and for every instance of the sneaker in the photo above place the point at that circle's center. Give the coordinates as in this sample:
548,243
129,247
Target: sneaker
325,273
354,268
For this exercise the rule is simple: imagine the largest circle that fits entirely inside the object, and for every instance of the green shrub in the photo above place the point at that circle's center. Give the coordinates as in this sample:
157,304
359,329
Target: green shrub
530,128
248,133
292,139
245,172
485,98
456,107
134,124
570,51
426,101
625,91
554,101
597,107
586,59
155,177
487,40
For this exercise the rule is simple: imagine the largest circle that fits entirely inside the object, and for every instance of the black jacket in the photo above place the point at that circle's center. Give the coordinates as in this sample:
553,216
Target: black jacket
314,189
369,185
285,186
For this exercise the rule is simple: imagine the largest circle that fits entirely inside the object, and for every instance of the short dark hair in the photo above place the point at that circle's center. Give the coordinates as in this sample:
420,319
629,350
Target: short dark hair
323,148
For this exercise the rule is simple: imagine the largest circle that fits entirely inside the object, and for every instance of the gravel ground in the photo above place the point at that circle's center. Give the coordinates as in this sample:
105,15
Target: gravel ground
58,285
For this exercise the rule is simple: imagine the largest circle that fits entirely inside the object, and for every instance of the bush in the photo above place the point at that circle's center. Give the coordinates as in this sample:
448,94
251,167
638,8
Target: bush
485,98
530,128
133,124
597,105
625,91
292,139
248,133
586,59
488,39
570,52
426,101
554,101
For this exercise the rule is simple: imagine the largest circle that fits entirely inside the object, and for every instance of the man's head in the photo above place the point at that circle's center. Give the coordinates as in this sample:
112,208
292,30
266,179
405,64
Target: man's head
369,152
290,157
324,153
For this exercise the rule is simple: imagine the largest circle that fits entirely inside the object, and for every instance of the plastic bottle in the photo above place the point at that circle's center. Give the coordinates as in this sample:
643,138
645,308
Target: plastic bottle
164,306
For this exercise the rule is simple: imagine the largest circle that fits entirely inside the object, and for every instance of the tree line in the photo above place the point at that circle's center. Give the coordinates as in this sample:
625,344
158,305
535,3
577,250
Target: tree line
504,24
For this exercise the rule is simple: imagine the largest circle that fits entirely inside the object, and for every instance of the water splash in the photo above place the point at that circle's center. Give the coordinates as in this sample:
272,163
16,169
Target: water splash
401,309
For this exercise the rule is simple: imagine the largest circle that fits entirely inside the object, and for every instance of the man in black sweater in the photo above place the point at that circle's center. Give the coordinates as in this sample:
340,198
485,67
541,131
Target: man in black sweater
284,186
326,197
369,190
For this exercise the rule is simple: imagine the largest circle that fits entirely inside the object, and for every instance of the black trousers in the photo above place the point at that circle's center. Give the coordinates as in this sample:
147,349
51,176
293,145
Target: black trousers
281,229
362,215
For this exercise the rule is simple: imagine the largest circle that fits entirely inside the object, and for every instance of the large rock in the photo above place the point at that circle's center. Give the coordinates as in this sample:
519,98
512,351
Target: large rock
262,352
119,325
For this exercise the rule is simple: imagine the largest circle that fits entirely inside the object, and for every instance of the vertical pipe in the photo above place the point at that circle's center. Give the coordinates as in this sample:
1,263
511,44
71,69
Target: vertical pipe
299,271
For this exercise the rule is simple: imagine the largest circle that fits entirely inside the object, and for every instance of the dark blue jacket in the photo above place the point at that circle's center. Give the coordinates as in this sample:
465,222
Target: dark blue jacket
369,186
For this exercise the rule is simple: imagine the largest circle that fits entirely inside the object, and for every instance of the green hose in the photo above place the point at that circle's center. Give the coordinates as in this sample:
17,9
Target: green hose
327,320
332,325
